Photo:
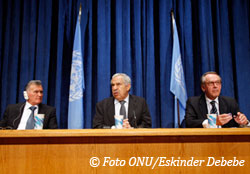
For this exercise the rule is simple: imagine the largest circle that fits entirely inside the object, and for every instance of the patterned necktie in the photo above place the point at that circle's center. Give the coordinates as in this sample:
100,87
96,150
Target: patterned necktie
123,110
31,121
214,109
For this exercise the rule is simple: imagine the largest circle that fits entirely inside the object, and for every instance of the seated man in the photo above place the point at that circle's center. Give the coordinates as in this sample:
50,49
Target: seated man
21,115
133,108
226,108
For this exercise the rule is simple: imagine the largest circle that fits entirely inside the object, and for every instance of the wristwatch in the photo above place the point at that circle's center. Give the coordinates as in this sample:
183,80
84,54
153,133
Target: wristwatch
248,122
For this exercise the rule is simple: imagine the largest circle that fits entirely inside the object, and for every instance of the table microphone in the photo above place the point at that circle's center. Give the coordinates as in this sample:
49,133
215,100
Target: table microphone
135,119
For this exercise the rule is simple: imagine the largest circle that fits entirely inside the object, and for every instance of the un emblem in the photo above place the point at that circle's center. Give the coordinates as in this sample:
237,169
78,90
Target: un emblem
179,74
76,81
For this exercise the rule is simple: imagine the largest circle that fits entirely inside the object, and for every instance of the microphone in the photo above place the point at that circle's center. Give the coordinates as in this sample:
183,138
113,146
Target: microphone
6,128
135,119
20,114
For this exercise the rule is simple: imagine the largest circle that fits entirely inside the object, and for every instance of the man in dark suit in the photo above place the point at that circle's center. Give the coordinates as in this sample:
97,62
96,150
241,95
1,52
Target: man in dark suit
136,113
198,107
17,116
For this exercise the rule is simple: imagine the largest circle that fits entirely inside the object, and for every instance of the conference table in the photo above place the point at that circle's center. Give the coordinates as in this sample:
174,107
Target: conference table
161,150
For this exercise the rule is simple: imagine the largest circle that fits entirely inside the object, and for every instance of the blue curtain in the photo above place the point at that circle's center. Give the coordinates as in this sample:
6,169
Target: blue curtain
130,36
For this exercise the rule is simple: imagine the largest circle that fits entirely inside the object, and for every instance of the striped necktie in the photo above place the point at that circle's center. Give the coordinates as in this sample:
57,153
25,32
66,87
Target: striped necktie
214,109
31,121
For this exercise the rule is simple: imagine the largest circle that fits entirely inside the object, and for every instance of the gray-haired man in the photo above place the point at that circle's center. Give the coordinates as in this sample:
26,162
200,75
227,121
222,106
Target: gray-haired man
20,115
134,108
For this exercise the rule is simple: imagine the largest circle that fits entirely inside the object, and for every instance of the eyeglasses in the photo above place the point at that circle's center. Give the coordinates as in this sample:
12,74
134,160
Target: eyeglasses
217,83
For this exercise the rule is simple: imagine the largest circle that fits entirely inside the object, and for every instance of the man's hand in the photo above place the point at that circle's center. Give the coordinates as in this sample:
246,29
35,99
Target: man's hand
240,118
223,119
126,124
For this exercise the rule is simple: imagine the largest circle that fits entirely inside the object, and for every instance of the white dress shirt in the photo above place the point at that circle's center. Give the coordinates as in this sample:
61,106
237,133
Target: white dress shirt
118,106
209,108
26,115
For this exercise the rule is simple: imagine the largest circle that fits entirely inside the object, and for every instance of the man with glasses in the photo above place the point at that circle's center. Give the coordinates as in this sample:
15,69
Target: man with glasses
210,102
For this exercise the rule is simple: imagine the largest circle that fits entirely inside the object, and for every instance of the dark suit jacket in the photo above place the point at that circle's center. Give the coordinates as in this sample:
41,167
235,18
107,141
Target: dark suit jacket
196,110
138,113
13,113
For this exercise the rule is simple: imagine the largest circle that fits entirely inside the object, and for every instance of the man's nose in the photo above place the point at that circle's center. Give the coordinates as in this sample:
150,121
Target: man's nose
215,84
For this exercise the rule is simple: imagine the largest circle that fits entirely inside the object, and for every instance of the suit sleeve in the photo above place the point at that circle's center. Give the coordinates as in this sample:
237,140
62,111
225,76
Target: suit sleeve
233,109
191,117
3,122
52,122
145,117
98,121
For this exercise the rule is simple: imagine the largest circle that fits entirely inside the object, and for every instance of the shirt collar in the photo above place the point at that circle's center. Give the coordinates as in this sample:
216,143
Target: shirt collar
28,105
126,100
208,100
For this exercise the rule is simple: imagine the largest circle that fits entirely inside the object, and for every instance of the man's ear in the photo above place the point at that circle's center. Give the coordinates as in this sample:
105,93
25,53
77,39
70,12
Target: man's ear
128,87
203,87
25,95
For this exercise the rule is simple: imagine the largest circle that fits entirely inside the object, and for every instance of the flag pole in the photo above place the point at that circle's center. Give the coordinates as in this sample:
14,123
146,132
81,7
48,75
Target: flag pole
178,106
80,13
178,109
172,16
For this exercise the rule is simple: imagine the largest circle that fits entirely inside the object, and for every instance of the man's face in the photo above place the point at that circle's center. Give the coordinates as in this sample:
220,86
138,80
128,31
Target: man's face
212,86
119,89
35,94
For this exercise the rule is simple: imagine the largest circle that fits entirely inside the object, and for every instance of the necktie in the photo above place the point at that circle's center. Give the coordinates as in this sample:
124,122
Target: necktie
214,109
31,121
123,110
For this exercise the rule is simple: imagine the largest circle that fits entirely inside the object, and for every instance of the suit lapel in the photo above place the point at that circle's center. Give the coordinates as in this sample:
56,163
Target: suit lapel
222,106
111,110
40,109
19,115
203,106
132,104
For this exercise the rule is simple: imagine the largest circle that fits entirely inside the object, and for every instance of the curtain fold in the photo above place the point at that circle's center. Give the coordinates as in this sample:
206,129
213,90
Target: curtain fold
129,36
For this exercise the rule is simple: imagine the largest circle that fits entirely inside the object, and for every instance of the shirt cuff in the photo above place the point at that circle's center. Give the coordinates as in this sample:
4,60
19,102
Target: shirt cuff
205,123
248,124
